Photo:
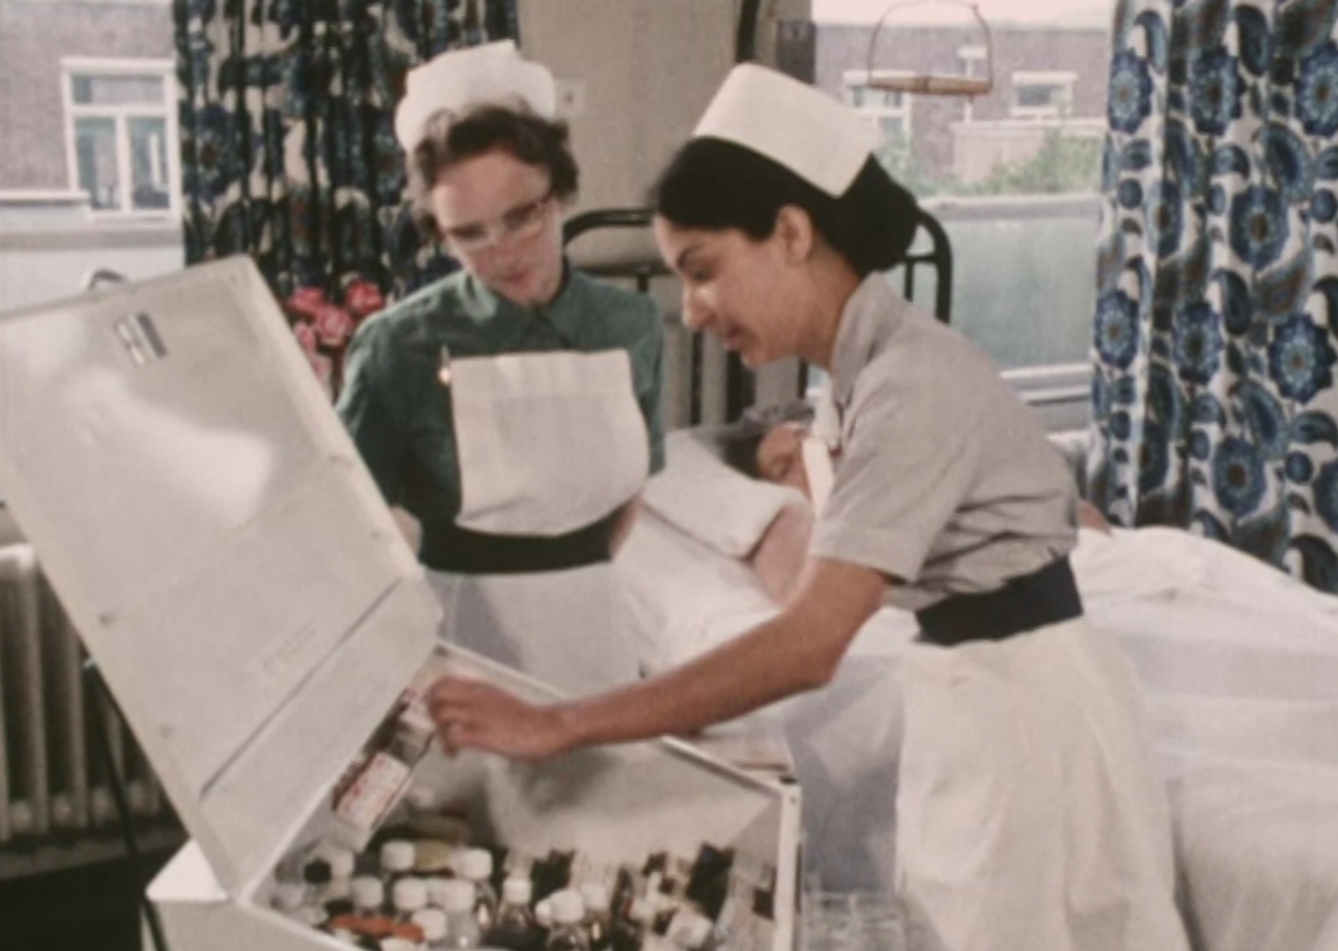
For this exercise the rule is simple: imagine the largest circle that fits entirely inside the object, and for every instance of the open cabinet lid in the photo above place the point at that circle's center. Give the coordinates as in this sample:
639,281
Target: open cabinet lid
213,534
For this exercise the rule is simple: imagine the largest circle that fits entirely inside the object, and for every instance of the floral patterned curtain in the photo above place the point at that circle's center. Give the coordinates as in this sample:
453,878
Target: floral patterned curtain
1214,399
289,153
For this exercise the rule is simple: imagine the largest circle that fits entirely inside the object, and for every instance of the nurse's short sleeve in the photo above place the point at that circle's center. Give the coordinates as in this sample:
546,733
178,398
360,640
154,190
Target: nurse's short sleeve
907,464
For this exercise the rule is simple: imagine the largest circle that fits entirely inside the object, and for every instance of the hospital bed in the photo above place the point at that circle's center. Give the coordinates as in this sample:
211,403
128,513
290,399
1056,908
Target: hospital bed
1239,663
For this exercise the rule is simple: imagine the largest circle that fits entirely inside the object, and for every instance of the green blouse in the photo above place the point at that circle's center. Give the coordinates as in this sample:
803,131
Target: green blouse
399,415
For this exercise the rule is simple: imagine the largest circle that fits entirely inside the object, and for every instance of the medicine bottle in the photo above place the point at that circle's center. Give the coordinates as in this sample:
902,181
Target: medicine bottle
397,860
462,928
342,862
475,867
407,896
567,934
368,894
598,921
432,922
288,897
516,928
317,875
629,930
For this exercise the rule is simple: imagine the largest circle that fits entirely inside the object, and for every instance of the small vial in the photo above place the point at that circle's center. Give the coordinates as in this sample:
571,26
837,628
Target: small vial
342,864
475,867
408,895
462,928
568,913
313,916
690,930
436,891
432,922
397,860
516,928
543,921
288,897
629,931
598,922
368,894
317,876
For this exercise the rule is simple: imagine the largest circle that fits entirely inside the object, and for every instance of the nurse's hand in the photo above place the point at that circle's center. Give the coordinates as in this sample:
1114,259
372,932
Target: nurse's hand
471,714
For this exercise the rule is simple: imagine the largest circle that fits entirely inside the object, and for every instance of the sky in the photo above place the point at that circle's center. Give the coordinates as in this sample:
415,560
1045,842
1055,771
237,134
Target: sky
1056,12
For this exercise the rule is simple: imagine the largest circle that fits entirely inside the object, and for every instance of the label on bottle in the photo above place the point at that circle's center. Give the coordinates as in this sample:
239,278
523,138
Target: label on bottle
369,797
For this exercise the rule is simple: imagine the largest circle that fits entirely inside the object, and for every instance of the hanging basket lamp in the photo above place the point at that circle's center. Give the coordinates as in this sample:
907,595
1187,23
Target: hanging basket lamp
932,84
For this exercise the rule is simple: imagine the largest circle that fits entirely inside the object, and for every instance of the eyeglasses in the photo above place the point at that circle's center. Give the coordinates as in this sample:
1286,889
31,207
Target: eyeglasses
516,224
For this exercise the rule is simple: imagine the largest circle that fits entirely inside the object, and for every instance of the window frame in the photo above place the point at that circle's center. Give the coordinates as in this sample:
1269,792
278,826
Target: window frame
852,79
72,67
1061,80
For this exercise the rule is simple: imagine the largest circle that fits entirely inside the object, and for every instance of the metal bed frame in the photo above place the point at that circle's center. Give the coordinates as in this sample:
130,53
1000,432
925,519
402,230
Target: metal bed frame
930,251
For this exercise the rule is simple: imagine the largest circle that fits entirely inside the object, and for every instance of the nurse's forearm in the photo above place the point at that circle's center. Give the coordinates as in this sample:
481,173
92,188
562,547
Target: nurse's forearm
799,650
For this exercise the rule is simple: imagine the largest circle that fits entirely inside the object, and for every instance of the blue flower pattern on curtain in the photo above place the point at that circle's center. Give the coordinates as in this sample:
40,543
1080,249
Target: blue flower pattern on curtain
1213,399
289,154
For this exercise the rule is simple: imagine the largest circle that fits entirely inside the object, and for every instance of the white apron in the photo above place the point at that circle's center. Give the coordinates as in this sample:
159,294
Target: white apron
548,443
1029,812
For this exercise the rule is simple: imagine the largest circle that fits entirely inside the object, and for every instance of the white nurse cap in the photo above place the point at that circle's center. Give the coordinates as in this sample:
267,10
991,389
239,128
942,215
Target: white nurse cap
459,79
791,123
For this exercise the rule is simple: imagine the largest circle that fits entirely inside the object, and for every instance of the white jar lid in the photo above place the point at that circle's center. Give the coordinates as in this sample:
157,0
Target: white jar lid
397,855
433,923
409,894
367,892
436,890
517,889
458,895
568,907
311,916
341,860
288,896
474,864
596,896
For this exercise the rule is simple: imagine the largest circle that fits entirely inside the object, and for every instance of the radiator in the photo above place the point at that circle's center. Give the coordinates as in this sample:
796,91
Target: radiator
54,782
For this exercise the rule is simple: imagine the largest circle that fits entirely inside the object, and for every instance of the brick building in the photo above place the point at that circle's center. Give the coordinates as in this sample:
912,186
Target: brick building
1044,79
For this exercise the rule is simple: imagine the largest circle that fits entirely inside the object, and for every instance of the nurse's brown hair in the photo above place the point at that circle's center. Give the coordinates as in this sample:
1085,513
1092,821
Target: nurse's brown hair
449,139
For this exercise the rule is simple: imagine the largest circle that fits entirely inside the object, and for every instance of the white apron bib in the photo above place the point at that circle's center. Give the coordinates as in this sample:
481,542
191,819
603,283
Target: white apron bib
548,443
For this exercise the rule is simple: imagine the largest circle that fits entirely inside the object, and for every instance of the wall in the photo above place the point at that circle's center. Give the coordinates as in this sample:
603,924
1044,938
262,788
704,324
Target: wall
642,72
34,35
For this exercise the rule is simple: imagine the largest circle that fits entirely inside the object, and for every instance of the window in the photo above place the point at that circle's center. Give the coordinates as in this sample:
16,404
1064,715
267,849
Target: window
1013,174
121,133
888,110
1042,95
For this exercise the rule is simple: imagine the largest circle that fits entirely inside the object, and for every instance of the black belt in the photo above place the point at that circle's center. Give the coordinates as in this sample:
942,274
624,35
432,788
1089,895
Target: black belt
1046,596
448,547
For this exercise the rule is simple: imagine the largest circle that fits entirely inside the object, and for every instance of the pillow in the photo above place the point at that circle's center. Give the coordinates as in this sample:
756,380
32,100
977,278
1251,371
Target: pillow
700,495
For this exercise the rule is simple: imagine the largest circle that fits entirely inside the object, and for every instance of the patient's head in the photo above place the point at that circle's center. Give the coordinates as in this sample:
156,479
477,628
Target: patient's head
765,443
779,456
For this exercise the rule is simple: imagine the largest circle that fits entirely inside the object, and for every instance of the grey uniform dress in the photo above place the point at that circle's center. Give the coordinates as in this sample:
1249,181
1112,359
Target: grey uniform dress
1029,814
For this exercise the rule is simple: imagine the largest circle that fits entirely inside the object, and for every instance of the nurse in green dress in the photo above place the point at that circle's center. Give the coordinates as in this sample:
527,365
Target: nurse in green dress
512,409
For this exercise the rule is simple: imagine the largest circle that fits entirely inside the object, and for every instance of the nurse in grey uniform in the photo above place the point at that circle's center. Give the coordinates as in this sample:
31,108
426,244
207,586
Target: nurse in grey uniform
1029,813
512,408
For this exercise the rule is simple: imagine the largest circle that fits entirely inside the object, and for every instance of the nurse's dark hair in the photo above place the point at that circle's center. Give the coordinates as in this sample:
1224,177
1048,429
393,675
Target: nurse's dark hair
449,139
717,185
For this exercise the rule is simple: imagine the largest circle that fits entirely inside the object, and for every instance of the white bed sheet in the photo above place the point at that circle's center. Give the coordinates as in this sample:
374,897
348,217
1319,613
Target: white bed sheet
1240,666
